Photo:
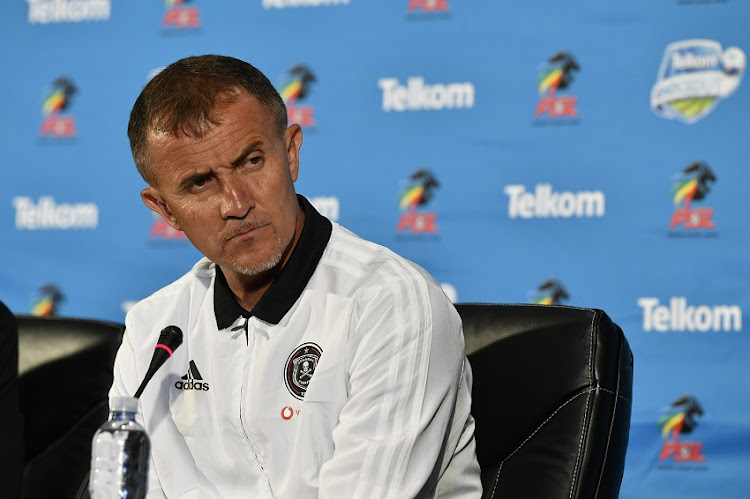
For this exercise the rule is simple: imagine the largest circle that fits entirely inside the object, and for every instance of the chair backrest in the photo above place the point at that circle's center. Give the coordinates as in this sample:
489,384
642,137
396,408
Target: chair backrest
11,419
551,398
65,372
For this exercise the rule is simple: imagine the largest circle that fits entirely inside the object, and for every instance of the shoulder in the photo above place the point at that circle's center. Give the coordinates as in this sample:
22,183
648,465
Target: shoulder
172,300
398,310
378,274
368,261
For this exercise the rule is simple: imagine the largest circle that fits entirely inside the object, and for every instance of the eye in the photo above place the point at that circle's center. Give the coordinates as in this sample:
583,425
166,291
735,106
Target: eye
199,183
254,160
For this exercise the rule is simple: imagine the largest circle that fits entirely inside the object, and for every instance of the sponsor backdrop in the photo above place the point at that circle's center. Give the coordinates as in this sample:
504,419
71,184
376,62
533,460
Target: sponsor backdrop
596,155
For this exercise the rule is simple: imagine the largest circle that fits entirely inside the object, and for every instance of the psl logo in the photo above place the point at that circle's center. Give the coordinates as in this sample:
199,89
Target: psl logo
681,419
693,77
161,230
428,5
297,87
180,17
46,305
550,292
57,101
693,185
418,192
558,75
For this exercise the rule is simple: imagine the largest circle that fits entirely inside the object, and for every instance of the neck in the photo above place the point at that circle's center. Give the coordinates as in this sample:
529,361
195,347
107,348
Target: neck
249,289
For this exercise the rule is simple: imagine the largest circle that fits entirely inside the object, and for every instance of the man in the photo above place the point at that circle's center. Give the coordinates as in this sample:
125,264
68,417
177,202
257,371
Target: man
314,363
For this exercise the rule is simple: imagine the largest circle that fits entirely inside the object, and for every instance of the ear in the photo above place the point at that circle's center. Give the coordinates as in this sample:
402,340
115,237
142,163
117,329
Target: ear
153,199
293,142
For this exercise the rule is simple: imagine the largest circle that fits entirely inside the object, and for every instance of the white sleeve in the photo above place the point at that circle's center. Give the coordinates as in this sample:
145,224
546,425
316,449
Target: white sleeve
394,435
125,384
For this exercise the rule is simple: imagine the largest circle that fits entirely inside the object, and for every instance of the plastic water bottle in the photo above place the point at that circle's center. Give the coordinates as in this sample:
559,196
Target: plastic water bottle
119,454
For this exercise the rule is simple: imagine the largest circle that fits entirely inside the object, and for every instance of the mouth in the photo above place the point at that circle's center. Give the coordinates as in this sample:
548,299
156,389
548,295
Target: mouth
243,231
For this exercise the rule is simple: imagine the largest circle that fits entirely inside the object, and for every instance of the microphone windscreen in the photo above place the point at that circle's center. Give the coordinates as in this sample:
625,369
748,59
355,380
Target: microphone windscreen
169,339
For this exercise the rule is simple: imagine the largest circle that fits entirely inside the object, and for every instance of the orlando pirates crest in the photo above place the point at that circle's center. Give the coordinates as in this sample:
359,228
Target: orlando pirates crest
300,367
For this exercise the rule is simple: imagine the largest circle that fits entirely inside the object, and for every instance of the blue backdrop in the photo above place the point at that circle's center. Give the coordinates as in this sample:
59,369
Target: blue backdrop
593,154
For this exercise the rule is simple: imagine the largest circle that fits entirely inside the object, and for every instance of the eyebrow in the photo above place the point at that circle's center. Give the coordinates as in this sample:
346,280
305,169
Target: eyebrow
185,182
246,151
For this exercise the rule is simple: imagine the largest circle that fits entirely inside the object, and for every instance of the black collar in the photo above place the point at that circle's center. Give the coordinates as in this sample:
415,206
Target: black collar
288,285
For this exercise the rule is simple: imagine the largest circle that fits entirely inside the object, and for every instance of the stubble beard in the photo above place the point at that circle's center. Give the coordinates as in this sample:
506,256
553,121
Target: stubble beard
263,266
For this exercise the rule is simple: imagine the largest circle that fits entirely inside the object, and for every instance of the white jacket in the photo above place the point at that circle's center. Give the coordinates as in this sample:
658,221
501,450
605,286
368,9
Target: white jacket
347,380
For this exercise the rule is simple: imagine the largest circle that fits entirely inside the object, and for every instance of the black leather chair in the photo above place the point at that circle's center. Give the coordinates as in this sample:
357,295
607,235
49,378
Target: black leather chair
11,420
65,371
551,398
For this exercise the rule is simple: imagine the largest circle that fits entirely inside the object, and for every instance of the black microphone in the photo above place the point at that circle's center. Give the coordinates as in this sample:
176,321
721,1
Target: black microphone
169,339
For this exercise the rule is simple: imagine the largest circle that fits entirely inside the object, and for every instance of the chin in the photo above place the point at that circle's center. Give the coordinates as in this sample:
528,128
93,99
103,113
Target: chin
255,268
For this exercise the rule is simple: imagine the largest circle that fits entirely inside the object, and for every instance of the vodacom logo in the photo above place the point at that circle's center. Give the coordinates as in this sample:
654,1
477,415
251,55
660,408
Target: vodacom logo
287,413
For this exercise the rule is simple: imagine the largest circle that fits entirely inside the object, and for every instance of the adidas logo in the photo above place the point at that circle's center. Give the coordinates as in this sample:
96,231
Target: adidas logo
193,380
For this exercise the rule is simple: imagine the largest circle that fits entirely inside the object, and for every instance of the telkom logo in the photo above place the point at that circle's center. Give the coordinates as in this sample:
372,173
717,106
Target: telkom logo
679,316
285,4
47,214
418,95
328,206
68,11
544,203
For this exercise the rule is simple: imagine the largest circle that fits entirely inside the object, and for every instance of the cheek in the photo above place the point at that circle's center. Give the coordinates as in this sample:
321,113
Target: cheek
191,213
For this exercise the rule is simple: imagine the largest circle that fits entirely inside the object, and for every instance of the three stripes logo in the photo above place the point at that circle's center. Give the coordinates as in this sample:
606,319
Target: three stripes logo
192,380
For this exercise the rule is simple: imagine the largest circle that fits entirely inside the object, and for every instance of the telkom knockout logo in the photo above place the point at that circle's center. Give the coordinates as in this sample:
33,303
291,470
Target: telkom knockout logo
693,77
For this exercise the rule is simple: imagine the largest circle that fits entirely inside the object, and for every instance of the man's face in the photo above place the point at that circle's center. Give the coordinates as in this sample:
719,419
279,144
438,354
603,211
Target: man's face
231,191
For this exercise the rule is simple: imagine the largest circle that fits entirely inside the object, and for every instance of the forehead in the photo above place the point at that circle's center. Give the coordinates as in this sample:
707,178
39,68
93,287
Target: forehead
238,121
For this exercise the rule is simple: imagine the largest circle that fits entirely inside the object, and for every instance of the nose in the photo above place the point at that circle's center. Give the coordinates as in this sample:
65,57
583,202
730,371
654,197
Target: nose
236,198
